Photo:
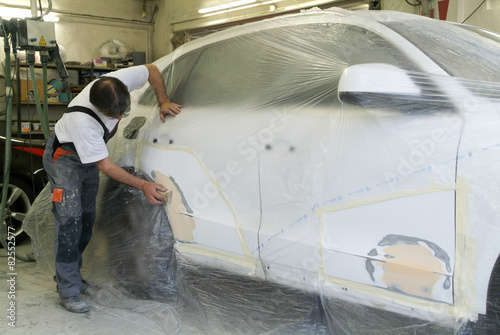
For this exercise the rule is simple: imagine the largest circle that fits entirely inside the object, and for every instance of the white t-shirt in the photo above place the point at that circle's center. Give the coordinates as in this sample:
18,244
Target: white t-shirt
83,130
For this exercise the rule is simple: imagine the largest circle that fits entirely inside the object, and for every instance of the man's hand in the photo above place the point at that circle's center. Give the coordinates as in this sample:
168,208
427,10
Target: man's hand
150,191
112,170
157,83
169,108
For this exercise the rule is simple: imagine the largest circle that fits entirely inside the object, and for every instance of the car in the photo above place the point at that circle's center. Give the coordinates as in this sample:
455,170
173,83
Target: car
26,180
352,155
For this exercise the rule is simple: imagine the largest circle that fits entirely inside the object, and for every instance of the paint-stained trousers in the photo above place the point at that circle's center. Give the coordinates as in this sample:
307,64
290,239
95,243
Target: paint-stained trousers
74,190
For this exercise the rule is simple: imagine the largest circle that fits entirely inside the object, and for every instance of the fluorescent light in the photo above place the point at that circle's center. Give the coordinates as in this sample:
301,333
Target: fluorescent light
270,2
50,18
225,6
231,10
9,12
242,7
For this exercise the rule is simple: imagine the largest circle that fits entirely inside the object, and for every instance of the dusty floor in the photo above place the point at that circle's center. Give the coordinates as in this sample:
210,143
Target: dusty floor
38,310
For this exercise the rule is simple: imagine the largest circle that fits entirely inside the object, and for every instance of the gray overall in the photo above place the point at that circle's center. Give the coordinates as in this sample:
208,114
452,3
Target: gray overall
74,190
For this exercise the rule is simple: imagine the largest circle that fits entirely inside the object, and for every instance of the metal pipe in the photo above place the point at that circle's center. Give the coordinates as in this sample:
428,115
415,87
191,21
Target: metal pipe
43,118
8,135
425,8
33,8
45,122
18,96
8,151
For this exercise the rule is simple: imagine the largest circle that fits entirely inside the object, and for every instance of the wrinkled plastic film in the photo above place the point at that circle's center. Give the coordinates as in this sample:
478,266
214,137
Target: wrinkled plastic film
328,176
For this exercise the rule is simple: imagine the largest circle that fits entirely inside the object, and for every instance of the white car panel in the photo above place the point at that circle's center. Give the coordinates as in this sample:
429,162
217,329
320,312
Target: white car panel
352,155
416,258
199,212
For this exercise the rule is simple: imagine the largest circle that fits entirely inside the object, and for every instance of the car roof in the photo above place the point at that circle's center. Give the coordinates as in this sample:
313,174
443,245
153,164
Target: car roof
372,20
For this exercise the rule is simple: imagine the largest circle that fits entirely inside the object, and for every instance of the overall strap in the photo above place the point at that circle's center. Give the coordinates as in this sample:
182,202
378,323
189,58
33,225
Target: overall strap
107,135
90,112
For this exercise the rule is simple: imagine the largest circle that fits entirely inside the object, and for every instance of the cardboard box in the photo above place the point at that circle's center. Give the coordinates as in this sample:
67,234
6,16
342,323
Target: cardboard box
99,62
25,127
27,90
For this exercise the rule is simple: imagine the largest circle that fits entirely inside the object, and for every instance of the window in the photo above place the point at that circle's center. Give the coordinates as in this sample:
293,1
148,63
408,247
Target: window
299,65
458,51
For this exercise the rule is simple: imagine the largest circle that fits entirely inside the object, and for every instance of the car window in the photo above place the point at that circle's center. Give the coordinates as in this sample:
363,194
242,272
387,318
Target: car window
298,65
460,52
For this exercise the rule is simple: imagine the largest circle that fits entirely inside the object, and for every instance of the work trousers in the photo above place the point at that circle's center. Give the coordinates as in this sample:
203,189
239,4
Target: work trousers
74,190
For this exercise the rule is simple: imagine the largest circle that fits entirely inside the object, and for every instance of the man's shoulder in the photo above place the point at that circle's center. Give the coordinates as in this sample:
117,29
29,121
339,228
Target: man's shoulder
81,121
134,77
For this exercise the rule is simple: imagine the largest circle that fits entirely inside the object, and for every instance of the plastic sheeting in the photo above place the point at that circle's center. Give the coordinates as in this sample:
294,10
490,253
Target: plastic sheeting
130,264
332,172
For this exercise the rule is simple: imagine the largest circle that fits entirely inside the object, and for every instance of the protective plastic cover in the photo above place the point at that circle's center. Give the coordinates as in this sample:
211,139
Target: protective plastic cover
332,172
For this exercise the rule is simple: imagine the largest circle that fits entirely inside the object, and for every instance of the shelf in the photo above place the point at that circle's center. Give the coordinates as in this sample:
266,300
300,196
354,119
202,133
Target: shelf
41,102
33,135
86,74
75,66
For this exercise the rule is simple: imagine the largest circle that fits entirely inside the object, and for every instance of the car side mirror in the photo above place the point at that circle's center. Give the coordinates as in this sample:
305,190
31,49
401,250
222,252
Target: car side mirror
381,82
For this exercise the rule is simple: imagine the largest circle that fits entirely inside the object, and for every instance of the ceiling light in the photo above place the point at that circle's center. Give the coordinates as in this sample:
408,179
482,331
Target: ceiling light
50,18
255,4
225,6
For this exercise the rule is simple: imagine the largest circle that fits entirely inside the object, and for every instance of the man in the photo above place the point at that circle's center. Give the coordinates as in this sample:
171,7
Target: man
76,152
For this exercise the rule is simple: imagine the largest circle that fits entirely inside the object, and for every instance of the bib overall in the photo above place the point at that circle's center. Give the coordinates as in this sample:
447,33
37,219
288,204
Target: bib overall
74,190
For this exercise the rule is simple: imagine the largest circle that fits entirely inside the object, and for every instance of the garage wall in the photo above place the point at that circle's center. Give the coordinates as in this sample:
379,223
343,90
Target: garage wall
400,6
161,32
184,13
486,16
486,12
85,25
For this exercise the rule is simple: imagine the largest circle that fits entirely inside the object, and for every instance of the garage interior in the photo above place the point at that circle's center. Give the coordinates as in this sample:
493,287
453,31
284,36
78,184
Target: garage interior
97,37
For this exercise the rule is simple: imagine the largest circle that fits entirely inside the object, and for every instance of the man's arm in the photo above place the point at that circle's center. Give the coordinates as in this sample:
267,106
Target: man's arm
156,81
117,173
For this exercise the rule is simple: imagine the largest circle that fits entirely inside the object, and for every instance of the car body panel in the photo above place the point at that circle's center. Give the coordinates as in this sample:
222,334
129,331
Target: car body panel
26,179
399,261
26,161
199,216
279,174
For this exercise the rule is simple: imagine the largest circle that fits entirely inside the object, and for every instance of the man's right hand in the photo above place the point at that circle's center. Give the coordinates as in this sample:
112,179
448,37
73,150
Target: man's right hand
115,172
150,191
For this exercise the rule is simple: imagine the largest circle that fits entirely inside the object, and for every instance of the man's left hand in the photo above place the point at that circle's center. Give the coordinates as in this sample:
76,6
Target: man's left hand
169,108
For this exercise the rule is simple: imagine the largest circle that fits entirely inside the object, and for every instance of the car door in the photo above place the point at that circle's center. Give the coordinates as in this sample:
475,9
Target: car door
208,154
362,191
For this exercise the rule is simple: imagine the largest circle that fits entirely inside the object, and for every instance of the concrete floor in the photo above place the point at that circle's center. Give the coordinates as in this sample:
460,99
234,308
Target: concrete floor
38,309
